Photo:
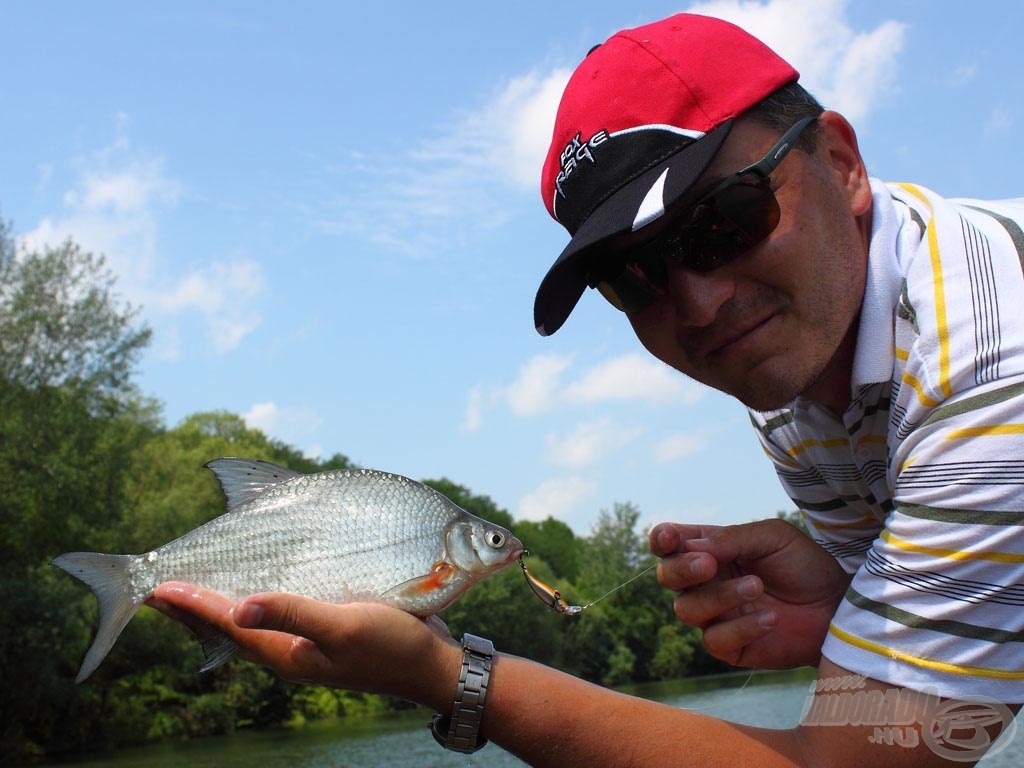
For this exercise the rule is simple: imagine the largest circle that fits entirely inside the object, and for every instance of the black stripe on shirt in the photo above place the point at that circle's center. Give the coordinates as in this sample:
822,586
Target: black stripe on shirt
1012,229
945,626
939,474
963,590
962,516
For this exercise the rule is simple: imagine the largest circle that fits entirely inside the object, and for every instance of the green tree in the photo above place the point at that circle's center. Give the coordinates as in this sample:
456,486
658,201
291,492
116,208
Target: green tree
481,506
674,652
554,542
613,554
61,321
70,418
614,550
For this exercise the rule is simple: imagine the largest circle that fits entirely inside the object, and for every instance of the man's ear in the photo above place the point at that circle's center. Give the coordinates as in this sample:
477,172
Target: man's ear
838,144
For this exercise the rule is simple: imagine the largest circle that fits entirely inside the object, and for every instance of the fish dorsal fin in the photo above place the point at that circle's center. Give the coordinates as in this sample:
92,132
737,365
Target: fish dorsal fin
242,480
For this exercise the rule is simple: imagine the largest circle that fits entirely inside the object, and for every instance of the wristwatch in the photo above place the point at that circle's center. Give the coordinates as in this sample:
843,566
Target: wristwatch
460,731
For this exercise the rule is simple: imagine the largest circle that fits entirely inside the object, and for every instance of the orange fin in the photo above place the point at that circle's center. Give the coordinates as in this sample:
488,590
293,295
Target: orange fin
440,576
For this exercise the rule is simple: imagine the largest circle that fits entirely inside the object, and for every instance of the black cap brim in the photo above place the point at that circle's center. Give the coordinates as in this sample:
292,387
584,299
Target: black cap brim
563,285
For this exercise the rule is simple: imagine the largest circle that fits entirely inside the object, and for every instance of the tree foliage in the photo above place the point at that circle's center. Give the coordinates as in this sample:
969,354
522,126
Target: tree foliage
61,322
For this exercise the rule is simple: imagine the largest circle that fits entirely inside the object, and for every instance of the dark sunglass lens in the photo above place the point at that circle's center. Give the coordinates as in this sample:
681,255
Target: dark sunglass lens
752,208
730,223
634,284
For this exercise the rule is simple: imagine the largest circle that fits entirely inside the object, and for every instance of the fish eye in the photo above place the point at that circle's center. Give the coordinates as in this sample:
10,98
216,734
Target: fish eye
495,539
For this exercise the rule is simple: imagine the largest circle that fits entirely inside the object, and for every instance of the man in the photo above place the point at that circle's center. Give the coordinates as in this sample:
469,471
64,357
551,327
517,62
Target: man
874,332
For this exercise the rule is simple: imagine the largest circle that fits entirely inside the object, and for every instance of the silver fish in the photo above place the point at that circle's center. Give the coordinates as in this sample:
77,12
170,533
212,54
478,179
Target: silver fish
340,536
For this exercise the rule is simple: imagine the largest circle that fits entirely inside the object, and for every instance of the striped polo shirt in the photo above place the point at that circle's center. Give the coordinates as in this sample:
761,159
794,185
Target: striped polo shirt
918,489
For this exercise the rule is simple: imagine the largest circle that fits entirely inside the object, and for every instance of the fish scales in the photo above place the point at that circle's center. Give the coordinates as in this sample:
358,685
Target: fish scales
314,536
337,536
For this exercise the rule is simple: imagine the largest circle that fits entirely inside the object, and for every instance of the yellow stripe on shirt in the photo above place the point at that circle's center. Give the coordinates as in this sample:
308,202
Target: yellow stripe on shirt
834,443
926,401
941,324
951,554
920,661
985,431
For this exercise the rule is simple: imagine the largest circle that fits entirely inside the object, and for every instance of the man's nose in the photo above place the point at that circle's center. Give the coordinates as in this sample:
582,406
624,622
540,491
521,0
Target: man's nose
698,296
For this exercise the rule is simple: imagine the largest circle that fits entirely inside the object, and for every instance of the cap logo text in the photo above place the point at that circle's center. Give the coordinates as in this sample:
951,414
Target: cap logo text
575,152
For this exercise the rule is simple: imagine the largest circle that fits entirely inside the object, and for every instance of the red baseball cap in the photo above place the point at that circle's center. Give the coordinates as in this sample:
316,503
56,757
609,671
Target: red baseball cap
640,119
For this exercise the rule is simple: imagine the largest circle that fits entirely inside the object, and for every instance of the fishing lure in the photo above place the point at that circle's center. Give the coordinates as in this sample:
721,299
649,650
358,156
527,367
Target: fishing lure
553,598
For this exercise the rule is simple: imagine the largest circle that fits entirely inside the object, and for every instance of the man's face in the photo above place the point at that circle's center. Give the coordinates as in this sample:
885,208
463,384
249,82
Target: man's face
779,320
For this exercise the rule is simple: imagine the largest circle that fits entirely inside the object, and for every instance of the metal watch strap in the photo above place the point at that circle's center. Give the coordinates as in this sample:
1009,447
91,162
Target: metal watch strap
463,725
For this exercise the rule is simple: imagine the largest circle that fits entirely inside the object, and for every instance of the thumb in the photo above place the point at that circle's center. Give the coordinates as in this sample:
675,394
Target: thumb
292,614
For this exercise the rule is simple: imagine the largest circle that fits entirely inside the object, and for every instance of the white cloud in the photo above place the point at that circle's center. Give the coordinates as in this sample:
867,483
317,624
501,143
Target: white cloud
125,190
422,199
558,498
1000,122
964,74
523,116
676,446
474,418
540,386
293,424
113,207
634,376
537,387
846,69
223,293
589,442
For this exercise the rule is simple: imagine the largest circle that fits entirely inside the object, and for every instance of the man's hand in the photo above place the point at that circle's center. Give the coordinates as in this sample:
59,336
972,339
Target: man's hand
763,593
359,646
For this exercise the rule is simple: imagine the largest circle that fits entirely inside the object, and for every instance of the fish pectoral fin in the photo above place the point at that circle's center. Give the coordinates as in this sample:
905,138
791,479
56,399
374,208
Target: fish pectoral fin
440,576
218,649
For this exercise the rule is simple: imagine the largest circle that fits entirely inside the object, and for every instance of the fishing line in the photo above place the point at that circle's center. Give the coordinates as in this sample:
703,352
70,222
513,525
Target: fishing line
553,598
613,590
652,566
556,602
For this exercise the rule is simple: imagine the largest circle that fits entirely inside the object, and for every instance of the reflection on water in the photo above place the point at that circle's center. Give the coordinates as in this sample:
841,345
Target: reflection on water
766,699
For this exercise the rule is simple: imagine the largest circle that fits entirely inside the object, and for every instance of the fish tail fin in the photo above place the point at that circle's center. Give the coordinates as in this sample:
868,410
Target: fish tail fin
110,581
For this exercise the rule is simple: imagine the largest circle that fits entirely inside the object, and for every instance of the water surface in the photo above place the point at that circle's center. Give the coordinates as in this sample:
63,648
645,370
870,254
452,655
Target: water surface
766,699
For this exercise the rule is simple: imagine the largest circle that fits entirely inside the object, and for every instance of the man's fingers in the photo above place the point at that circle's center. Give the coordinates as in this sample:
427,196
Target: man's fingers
175,598
680,572
747,541
274,639
707,604
727,640
668,538
295,615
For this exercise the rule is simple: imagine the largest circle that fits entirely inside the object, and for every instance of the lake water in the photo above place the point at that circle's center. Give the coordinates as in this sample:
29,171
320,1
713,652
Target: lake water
771,700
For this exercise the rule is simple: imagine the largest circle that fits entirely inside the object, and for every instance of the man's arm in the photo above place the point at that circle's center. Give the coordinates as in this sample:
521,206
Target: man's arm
545,716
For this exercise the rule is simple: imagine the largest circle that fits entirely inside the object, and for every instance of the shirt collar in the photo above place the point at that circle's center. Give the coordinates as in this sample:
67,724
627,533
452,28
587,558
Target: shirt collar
875,354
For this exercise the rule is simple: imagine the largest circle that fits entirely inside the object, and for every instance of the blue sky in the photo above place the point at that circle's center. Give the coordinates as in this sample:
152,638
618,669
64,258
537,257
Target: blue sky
330,215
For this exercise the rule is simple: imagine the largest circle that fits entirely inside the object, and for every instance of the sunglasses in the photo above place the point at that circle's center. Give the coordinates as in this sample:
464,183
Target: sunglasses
720,226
